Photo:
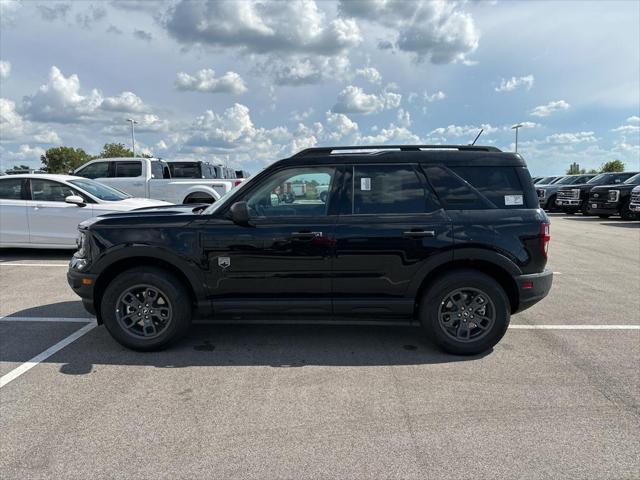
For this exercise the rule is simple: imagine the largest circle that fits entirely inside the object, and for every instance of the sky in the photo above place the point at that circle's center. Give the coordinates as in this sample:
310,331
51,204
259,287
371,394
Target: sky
245,83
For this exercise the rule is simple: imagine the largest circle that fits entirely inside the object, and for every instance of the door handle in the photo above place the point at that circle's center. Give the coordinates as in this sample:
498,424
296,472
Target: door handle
306,235
419,233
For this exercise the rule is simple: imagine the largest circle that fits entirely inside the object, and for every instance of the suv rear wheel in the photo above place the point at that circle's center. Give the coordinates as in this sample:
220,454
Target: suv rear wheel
465,312
146,308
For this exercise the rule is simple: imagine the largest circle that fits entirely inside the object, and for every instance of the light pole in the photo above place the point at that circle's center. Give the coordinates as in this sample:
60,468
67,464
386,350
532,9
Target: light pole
133,137
516,127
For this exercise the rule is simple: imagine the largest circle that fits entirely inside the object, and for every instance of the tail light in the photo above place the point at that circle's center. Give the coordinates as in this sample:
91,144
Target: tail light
237,182
545,237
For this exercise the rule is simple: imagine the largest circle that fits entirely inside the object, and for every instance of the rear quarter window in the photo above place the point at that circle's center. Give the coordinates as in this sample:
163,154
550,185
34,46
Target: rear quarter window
474,188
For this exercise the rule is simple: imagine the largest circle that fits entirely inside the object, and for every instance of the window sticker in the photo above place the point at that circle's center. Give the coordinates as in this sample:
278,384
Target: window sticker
513,200
365,184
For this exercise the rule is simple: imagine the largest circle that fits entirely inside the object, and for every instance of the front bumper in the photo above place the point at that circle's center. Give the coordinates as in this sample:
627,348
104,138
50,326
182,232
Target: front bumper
532,288
83,284
561,202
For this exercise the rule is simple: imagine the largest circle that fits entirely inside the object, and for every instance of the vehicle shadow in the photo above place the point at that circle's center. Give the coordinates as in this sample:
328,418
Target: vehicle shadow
625,224
613,222
15,254
282,346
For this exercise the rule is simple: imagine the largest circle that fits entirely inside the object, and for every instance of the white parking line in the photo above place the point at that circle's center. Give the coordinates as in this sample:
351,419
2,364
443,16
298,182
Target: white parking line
575,327
25,367
14,264
46,319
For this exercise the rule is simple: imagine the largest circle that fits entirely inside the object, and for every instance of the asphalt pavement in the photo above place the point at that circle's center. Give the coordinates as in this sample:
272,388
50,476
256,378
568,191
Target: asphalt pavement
559,397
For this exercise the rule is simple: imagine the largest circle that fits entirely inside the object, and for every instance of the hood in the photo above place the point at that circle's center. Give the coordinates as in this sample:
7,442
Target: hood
130,204
615,186
162,215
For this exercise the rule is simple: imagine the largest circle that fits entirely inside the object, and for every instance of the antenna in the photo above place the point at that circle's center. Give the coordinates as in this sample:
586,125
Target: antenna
477,137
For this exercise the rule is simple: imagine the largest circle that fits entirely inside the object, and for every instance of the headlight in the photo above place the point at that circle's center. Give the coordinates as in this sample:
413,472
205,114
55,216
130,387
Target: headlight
614,195
83,246
575,193
542,193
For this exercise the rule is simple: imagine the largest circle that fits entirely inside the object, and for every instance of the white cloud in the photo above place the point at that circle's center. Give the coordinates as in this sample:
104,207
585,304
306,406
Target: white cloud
54,12
549,108
11,123
296,70
125,102
634,119
353,99
627,129
25,153
143,35
147,123
508,85
530,124
463,130
48,137
5,68
60,100
572,138
404,118
392,134
370,74
435,30
439,95
205,81
340,126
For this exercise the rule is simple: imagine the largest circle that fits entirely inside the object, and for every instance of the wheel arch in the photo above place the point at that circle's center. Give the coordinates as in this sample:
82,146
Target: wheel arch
201,189
127,263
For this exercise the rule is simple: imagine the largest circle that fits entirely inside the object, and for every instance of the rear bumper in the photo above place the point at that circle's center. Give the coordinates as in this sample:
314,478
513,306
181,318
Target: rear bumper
532,288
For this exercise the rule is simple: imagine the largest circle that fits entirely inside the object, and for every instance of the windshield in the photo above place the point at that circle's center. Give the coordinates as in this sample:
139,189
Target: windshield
598,179
635,180
100,191
556,180
566,180
545,180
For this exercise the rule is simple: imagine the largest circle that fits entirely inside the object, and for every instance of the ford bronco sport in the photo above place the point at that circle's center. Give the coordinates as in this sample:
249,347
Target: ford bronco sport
447,237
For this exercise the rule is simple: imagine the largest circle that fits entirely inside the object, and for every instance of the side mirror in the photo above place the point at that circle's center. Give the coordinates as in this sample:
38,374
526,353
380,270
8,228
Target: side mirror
240,213
75,200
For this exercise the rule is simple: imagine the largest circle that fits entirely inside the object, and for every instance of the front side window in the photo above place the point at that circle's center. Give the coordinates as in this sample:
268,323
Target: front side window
94,170
293,192
635,180
157,170
388,189
128,169
11,189
50,191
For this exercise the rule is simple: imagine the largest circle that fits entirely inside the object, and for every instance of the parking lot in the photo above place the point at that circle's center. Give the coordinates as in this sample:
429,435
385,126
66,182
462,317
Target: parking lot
559,397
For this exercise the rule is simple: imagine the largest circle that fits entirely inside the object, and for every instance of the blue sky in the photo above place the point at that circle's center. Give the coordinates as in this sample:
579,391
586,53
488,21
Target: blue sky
246,83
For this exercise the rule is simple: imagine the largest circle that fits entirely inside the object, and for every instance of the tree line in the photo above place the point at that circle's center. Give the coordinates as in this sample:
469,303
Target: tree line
66,159
611,166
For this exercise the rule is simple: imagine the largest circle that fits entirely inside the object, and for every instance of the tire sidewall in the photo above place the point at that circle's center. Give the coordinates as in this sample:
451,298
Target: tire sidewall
171,287
460,279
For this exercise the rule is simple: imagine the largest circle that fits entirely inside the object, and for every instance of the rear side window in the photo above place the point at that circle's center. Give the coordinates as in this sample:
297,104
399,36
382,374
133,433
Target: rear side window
389,189
128,169
95,170
500,185
11,189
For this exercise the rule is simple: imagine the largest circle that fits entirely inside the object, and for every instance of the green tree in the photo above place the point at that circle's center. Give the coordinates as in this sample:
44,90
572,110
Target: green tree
113,150
574,169
612,166
17,168
63,159
593,170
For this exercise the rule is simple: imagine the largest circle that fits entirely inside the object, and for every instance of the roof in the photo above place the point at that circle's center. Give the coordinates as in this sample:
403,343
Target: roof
46,176
122,159
447,154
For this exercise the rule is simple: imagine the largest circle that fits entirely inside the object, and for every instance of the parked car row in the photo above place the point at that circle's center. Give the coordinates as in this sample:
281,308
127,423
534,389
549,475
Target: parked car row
603,194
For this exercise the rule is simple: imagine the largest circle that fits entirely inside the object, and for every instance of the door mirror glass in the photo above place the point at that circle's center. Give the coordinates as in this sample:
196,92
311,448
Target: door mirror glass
75,200
240,213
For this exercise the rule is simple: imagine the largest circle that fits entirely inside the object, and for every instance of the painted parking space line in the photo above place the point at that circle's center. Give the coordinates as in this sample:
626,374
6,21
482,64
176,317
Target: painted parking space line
574,327
15,264
47,319
25,367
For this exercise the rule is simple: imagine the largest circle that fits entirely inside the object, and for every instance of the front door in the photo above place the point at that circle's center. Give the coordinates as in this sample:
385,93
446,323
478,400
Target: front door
280,265
52,221
390,226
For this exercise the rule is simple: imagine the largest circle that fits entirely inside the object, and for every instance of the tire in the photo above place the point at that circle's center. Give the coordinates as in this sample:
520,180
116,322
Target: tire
138,336
584,209
435,298
604,216
625,213
551,204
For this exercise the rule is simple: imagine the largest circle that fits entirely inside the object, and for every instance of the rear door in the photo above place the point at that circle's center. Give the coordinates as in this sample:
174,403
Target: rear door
389,227
14,226
52,221
129,176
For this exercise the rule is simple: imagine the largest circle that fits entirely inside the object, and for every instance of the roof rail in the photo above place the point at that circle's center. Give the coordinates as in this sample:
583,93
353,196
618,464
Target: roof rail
403,148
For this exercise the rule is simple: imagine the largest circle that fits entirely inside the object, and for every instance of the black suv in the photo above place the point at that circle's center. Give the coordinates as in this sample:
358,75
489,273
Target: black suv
448,237
575,198
608,200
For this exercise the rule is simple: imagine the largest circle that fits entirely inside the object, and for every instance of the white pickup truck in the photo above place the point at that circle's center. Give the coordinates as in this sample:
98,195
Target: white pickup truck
151,178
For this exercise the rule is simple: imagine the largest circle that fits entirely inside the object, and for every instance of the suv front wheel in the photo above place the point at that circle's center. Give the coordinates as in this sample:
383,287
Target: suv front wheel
465,312
146,308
